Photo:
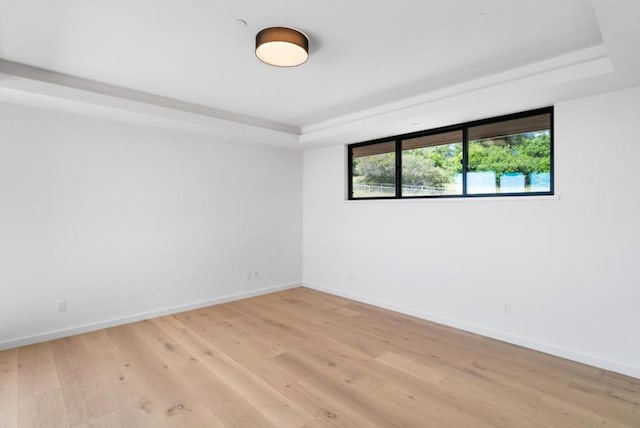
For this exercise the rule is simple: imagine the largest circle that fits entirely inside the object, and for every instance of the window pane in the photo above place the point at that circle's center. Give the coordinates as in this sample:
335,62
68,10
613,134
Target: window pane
511,156
432,165
374,170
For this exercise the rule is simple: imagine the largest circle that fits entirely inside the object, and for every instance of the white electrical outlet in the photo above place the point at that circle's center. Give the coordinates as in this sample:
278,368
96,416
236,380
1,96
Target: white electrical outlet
506,309
249,276
61,305
256,274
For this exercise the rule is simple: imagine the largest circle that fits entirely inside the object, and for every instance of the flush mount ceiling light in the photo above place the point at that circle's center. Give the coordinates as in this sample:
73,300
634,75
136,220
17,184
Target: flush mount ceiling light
282,47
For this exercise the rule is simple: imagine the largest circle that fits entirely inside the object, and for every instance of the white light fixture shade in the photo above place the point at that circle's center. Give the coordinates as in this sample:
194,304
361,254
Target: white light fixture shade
282,47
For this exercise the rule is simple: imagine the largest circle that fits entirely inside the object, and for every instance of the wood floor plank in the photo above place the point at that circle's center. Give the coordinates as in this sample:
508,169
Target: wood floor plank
110,420
242,354
41,400
559,388
275,407
188,358
9,388
84,395
46,409
117,378
302,358
160,391
37,370
367,403
328,410
411,367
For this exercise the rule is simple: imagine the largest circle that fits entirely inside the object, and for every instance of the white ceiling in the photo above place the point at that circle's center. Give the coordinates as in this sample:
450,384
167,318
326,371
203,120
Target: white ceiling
192,62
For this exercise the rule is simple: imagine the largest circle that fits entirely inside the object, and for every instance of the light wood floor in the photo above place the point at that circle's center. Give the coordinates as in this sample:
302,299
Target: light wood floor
301,358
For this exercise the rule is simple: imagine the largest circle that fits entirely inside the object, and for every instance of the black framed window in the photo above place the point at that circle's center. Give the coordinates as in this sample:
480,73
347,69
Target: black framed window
503,156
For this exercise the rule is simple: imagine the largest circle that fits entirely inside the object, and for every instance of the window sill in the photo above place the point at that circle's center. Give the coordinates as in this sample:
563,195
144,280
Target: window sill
458,200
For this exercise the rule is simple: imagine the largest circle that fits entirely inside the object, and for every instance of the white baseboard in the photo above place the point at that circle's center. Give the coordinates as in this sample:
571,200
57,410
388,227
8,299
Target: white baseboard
548,348
56,334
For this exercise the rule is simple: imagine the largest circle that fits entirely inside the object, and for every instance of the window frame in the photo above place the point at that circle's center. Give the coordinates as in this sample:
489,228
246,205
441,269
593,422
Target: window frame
464,128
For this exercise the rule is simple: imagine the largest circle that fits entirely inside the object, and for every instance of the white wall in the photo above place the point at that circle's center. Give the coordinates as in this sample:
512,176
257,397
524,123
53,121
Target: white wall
568,266
123,221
